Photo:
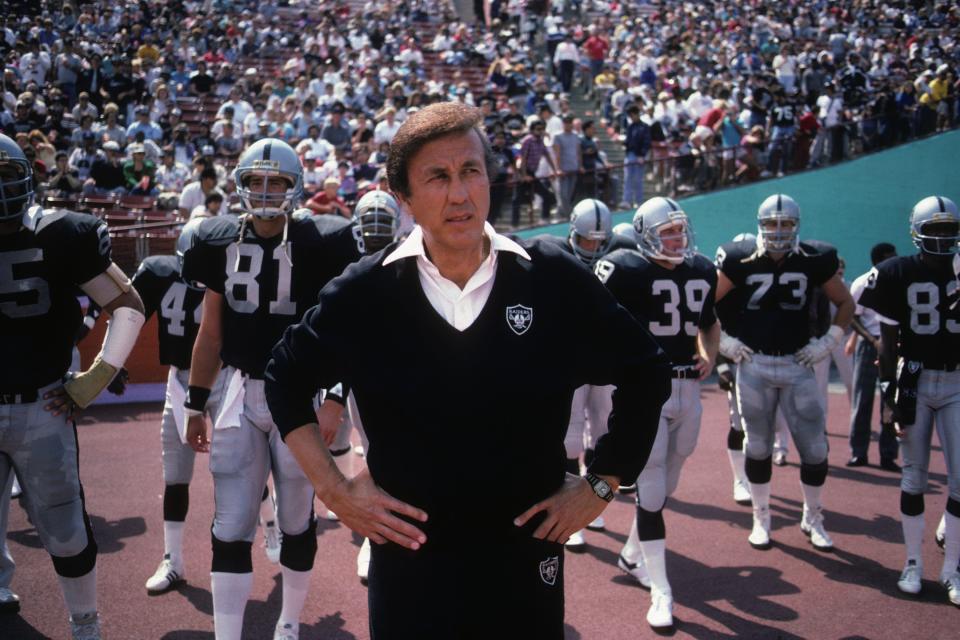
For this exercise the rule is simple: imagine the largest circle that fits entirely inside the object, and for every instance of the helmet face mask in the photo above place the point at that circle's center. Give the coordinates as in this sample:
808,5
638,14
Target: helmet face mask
935,226
778,224
16,181
376,221
591,230
663,231
269,158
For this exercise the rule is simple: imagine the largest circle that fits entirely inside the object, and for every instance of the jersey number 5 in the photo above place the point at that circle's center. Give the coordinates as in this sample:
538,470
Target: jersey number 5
246,281
32,288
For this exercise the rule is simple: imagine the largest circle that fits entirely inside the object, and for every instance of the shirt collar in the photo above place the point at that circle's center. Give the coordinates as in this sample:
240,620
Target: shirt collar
413,246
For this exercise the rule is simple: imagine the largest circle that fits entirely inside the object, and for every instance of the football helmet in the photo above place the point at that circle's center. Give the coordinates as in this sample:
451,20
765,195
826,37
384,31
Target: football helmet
186,240
625,230
16,180
778,224
376,219
650,217
269,157
940,211
590,220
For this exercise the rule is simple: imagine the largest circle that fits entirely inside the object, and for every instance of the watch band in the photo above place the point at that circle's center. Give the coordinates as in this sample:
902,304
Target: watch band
600,487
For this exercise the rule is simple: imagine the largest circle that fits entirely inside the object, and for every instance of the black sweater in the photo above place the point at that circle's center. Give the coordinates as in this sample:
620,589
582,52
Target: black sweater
469,426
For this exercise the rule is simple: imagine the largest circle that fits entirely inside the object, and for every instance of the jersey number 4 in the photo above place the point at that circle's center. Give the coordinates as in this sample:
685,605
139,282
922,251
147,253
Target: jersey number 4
33,293
245,283
796,282
172,309
694,293
923,299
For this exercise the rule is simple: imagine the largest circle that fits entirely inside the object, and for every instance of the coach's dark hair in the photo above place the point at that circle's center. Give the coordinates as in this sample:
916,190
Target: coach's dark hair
426,125
881,252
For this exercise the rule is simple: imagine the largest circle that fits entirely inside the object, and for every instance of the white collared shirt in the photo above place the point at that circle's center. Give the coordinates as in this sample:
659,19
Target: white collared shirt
869,318
459,307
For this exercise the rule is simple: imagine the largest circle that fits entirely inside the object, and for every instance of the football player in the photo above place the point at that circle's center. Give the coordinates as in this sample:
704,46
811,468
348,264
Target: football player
262,271
775,352
917,298
589,238
670,287
44,257
178,304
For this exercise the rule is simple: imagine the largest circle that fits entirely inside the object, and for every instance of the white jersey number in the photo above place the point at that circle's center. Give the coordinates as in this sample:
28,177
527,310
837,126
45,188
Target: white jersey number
172,309
21,287
694,293
247,299
923,299
764,281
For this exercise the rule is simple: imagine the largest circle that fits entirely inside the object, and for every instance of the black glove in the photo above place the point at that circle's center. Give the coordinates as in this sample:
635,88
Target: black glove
119,383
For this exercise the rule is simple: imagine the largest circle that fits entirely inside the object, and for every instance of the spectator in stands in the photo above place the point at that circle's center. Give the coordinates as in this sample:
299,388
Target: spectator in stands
327,201
532,151
336,131
84,107
144,124
41,145
212,206
81,159
201,82
568,154
140,172
636,143
111,129
228,143
86,126
106,173
62,179
387,127
171,175
195,193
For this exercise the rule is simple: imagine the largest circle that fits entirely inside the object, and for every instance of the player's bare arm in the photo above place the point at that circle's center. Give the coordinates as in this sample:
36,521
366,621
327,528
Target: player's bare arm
204,368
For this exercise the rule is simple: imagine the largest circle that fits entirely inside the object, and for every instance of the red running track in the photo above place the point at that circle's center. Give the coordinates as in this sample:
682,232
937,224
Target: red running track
723,588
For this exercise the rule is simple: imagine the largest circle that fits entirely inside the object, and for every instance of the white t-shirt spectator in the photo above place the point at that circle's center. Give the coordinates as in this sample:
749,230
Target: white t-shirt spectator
384,132
193,196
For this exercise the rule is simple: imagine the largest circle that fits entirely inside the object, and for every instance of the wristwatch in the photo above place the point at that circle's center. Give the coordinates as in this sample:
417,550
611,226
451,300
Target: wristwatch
600,487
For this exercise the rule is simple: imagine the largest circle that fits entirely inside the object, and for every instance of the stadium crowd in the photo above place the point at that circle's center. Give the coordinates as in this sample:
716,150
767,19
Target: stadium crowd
141,98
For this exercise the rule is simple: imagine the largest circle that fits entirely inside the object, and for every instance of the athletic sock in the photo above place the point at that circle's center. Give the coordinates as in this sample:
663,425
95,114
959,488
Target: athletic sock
951,545
913,536
173,541
737,464
631,548
80,594
760,495
295,586
655,559
811,497
230,594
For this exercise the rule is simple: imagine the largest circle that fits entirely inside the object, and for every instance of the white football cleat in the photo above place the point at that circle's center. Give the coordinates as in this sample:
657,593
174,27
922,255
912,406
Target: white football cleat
952,584
15,489
741,492
660,614
166,577
941,536
812,526
363,561
911,579
9,601
575,542
597,524
286,632
635,569
760,534
331,516
85,626
271,541
780,458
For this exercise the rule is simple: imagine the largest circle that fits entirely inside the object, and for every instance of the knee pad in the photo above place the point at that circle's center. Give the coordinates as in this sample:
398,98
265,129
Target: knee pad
573,466
298,551
650,525
813,475
231,557
953,507
82,563
734,440
911,504
759,471
176,502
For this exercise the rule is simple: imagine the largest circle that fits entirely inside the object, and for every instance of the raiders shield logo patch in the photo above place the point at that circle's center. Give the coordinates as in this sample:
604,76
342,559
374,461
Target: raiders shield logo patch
519,318
549,569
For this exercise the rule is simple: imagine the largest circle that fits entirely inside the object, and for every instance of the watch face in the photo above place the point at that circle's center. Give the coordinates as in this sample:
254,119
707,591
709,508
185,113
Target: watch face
602,488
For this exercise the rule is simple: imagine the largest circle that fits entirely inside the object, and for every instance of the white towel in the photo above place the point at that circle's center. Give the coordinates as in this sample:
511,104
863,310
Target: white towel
177,395
232,405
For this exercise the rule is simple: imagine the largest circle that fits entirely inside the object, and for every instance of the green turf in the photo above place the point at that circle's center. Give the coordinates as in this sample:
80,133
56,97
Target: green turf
853,205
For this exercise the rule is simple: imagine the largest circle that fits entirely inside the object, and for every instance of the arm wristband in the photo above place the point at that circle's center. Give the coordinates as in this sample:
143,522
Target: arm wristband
196,398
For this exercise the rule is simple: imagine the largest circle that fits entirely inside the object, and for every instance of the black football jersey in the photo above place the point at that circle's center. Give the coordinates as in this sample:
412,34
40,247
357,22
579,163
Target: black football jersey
177,306
672,304
266,288
918,297
40,267
775,313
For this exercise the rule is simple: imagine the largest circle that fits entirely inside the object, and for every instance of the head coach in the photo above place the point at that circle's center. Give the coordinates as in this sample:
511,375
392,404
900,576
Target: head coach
463,349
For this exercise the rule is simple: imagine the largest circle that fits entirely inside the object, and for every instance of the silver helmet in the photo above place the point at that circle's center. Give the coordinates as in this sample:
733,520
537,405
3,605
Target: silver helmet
16,180
940,211
269,157
625,230
590,220
652,218
376,219
778,224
